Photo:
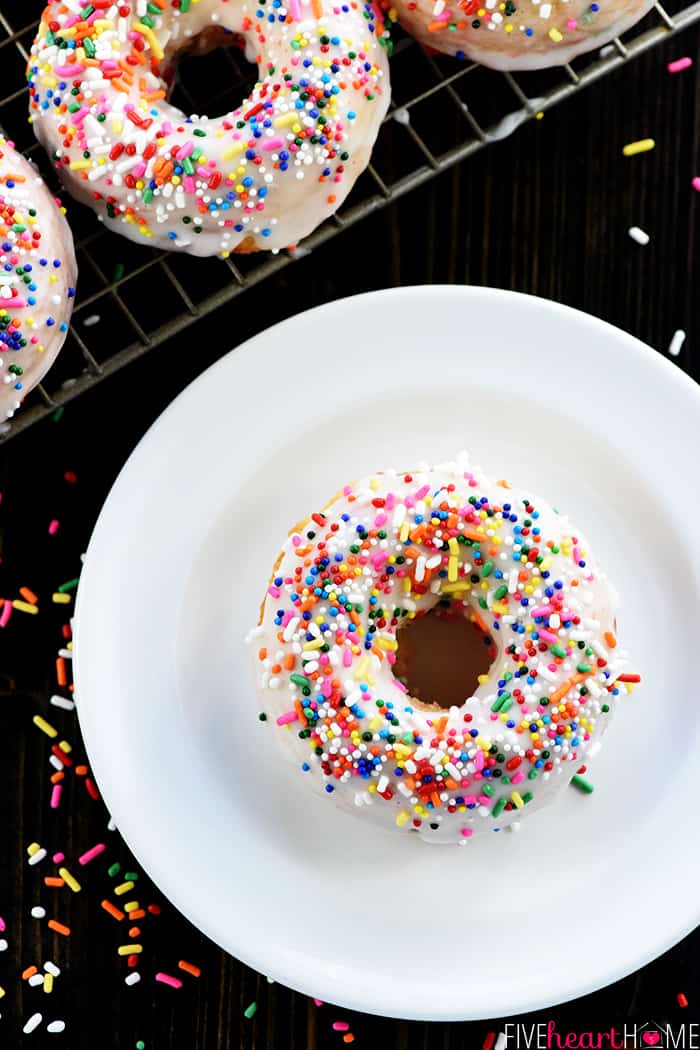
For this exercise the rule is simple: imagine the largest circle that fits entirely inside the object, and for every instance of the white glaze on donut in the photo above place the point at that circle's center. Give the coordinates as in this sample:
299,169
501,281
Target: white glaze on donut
387,549
37,278
264,175
518,34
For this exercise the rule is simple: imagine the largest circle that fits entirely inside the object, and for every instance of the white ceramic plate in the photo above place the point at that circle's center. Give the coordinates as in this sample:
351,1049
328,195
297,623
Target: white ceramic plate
596,423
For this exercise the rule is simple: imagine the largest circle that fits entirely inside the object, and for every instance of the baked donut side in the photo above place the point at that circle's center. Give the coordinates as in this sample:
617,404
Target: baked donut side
260,177
37,278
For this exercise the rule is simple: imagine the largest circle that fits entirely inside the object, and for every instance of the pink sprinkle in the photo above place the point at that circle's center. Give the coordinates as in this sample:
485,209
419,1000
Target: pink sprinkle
14,302
542,610
92,853
479,760
58,858
56,796
347,657
326,687
347,490
547,636
295,8
380,520
165,978
390,501
68,71
185,150
274,591
422,491
3,927
341,1026
696,183
53,527
318,1002
296,540
517,778
287,717
467,832
272,144
571,24
139,170
6,612
679,65
189,184
289,615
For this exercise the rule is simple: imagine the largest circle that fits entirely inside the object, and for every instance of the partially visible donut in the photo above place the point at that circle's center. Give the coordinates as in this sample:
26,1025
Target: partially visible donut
262,176
37,278
384,552
518,34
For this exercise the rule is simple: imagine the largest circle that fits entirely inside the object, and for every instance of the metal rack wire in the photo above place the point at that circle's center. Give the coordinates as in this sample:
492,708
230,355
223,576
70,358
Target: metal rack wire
442,112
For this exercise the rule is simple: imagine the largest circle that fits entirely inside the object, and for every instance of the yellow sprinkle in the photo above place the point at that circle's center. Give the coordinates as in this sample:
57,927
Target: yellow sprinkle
517,799
45,727
374,725
452,569
538,116
642,146
316,644
123,888
482,679
555,35
61,599
80,165
233,150
48,982
388,643
24,606
129,949
69,880
453,545
285,120
131,906
454,588
402,818
152,39
403,533
33,848
65,746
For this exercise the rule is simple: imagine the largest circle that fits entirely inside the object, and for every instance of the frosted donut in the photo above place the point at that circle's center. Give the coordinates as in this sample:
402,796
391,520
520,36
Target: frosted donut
37,278
262,176
518,34
383,553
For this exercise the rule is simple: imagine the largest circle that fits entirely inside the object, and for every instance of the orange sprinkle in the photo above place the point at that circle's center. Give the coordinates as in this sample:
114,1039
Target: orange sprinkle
433,27
81,770
29,972
58,776
29,596
561,692
348,1037
61,676
189,968
289,662
53,924
610,639
262,653
135,931
111,910
54,880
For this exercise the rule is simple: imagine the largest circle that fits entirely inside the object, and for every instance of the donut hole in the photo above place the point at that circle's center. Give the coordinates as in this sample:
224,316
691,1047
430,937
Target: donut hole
211,74
440,657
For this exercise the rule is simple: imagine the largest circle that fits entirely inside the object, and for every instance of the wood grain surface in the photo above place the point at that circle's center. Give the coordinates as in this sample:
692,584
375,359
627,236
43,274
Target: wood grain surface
545,212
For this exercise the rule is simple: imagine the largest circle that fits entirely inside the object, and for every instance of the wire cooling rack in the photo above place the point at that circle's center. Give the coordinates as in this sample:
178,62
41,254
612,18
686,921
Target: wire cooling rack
442,112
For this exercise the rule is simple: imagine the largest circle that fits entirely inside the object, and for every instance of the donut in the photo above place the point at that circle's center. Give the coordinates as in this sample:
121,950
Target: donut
37,278
350,586
262,176
518,34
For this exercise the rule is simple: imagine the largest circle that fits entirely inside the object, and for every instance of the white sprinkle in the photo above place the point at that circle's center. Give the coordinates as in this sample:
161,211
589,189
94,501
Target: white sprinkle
501,1042
133,978
55,1027
62,702
111,826
383,784
640,236
40,853
402,116
33,1022
67,654
55,763
3,944
93,318
52,969
676,343
38,912
35,980
607,50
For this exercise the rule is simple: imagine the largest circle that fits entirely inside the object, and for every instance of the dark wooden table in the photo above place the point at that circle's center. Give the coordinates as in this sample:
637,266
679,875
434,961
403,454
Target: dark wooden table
547,212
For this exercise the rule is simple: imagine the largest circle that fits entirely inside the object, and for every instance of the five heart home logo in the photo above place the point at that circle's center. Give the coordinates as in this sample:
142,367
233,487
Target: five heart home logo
652,1035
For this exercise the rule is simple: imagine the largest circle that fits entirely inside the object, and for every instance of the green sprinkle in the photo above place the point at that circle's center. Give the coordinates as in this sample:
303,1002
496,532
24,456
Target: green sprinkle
487,570
184,6
56,417
500,592
301,680
70,585
582,784
131,876
119,267
199,133
147,195
488,790
499,806
583,668
114,869
558,650
506,705
498,703
527,797
140,1045
250,1011
148,22
532,775
262,716
19,227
